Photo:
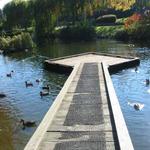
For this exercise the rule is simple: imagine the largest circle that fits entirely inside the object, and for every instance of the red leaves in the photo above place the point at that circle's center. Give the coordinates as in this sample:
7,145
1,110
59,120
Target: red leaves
132,19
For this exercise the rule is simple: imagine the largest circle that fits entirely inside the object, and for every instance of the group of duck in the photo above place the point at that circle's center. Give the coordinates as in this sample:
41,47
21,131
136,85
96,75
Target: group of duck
139,106
45,91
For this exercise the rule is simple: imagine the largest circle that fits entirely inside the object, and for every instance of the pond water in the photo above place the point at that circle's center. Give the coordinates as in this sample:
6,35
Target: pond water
26,103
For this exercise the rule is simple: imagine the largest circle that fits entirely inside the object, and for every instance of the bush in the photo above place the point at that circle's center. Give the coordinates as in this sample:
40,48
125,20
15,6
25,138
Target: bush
76,33
107,31
106,19
138,27
17,42
135,18
4,42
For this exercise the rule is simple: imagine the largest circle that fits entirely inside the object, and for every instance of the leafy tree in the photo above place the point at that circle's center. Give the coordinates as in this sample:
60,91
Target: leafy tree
18,14
121,4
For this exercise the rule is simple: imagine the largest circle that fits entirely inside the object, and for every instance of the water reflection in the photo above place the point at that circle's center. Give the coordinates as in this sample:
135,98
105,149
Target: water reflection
26,103
23,102
130,87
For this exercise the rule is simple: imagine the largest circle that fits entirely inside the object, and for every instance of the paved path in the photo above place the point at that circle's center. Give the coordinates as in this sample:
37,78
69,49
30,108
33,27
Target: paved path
83,120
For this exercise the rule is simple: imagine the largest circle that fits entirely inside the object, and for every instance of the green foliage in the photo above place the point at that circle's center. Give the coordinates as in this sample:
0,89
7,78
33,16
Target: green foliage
121,20
45,15
45,18
106,19
4,42
17,42
18,14
108,31
140,31
80,32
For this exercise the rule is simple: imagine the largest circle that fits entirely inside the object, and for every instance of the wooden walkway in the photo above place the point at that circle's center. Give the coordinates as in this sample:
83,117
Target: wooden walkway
86,114
83,120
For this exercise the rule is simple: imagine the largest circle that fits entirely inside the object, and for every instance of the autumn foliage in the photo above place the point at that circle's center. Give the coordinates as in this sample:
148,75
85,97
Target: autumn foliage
132,20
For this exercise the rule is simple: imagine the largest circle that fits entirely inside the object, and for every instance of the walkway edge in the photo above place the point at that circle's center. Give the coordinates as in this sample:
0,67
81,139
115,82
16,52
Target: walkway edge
40,131
121,128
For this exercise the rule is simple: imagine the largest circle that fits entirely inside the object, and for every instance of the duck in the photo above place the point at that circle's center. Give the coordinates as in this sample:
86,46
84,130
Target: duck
42,93
38,80
138,106
147,82
28,123
46,87
2,95
28,83
8,75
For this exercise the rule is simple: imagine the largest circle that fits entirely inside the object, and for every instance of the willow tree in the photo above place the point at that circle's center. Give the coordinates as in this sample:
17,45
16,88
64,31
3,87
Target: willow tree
18,14
46,12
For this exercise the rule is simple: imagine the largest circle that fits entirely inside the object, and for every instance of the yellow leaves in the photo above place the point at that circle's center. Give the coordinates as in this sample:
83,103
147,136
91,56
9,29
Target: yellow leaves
122,4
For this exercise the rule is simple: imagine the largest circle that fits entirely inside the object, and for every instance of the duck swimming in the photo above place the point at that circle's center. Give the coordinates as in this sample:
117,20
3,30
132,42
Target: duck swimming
38,80
46,87
28,123
42,93
28,83
8,75
147,82
136,106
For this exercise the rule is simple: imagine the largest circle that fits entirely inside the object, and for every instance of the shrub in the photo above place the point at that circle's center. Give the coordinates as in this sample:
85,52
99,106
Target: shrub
132,20
17,42
81,32
4,42
107,31
138,27
106,19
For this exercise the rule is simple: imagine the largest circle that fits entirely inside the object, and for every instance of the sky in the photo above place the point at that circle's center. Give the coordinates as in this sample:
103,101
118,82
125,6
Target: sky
3,2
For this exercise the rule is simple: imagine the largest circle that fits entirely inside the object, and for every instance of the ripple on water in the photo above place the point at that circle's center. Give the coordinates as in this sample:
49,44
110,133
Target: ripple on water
22,102
130,86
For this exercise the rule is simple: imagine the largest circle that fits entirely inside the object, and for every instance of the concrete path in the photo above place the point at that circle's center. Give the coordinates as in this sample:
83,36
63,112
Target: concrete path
83,120
91,58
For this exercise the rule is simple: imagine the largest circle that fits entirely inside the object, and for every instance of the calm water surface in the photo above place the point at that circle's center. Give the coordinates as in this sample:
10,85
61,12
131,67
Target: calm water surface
26,103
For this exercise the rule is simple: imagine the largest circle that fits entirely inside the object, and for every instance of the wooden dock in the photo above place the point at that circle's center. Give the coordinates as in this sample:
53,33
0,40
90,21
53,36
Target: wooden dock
86,114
